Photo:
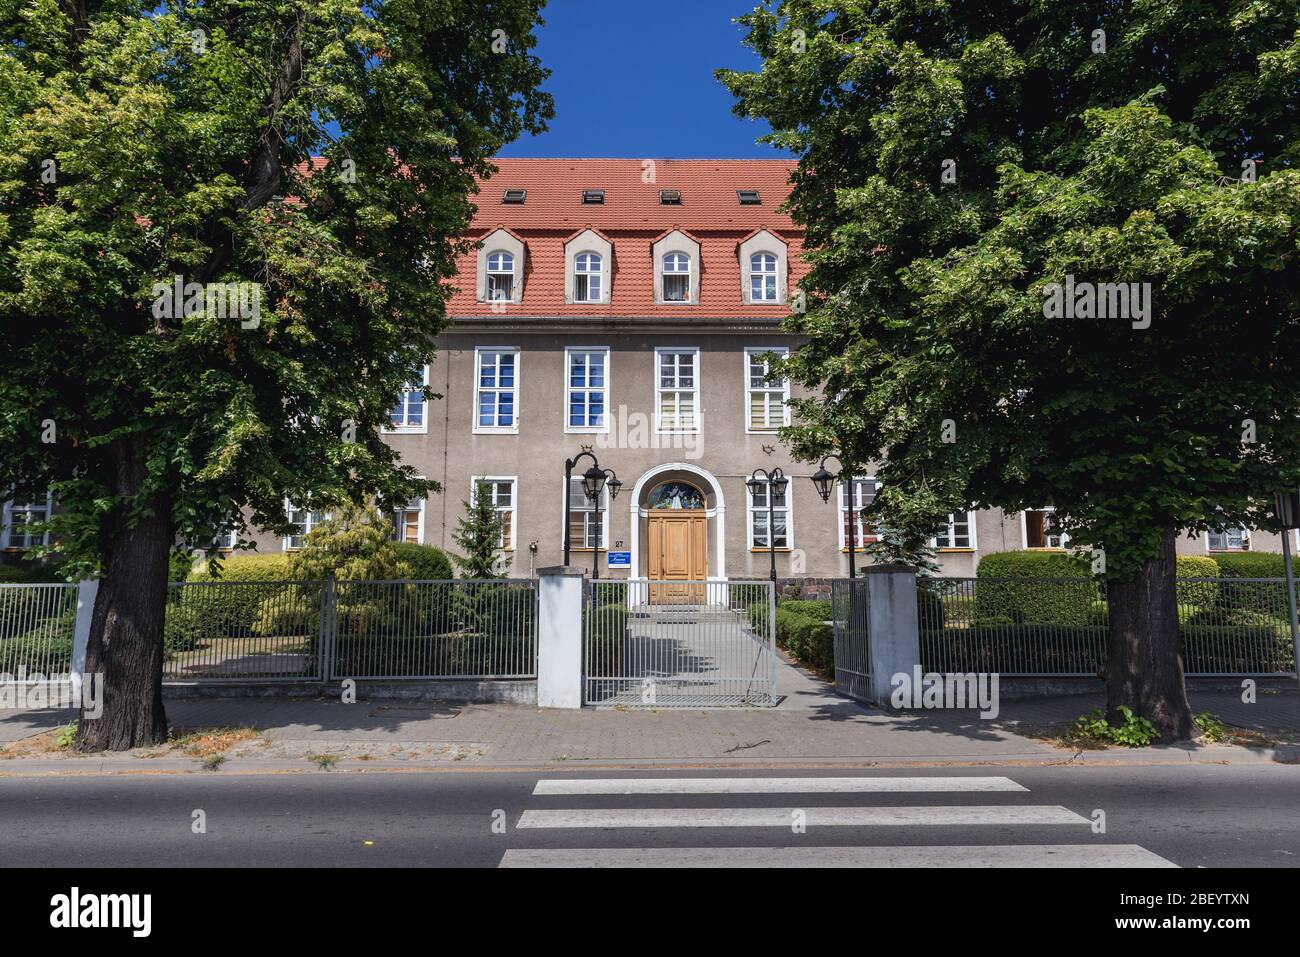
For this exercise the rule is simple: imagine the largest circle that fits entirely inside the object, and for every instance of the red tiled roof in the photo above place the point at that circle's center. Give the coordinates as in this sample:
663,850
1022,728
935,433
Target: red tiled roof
632,218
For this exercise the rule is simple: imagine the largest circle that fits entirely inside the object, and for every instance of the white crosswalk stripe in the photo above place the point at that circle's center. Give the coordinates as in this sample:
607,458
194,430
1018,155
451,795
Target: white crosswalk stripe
789,816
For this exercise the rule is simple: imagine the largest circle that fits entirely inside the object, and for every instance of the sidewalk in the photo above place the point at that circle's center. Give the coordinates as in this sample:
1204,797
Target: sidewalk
812,725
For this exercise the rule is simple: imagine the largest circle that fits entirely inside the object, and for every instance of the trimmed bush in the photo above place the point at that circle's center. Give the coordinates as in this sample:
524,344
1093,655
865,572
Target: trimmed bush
1064,603
1249,564
236,611
808,639
426,562
809,608
1201,593
31,574
929,608
245,568
183,628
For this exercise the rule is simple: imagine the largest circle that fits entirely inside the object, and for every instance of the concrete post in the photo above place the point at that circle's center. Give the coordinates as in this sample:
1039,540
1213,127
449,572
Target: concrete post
86,592
894,641
559,637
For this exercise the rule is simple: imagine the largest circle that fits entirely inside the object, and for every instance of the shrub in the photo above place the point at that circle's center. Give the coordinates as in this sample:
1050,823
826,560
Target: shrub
30,573
352,545
183,628
1204,593
929,608
820,610
49,653
234,611
179,564
1067,602
426,563
1249,564
1135,732
245,568
809,639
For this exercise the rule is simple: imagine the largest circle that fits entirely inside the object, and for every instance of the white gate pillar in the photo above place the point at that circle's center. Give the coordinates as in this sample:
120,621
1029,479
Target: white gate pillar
559,637
893,639
86,592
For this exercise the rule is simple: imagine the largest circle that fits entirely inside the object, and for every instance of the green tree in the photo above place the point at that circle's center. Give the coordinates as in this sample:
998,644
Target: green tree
958,166
479,534
353,544
325,151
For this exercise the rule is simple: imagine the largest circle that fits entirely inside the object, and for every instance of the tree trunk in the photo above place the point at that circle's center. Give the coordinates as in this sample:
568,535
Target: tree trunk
1144,660
126,630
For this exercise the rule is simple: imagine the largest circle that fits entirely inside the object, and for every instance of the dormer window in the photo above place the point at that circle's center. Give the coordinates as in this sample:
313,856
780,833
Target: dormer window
586,277
748,197
670,197
593,197
762,277
500,276
677,277
514,197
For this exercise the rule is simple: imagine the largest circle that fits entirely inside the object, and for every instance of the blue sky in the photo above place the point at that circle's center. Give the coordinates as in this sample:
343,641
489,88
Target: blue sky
634,78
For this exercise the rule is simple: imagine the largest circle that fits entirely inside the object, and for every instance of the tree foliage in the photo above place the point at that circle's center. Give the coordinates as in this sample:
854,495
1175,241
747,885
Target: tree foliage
353,544
478,534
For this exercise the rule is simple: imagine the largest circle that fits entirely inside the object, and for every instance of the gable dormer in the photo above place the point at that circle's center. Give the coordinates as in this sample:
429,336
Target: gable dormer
763,262
588,268
501,260
677,269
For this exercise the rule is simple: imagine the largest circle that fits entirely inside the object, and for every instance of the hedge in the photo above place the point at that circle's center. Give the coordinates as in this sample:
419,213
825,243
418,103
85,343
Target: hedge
426,562
809,608
31,574
1249,564
808,639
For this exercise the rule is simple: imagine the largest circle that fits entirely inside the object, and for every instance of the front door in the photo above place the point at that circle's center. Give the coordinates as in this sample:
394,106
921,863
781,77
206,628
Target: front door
678,553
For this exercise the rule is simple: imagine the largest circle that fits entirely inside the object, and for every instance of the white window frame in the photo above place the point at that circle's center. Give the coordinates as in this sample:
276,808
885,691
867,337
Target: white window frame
677,256
659,390
1024,532
1245,540
750,389
752,510
677,242
11,507
419,520
841,517
497,242
512,272
584,269
409,389
226,540
763,243
570,428
770,279
950,532
479,353
577,503
308,525
474,480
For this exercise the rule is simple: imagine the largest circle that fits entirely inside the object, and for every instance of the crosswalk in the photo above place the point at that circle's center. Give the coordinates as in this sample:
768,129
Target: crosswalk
788,819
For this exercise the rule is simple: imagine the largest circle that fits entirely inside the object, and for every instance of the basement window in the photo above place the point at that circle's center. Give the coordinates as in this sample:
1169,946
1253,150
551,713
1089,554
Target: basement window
748,197
670,197
593,197
514,197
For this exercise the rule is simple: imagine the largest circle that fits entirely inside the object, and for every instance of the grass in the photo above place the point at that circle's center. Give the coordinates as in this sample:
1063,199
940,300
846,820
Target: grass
205,743
325,762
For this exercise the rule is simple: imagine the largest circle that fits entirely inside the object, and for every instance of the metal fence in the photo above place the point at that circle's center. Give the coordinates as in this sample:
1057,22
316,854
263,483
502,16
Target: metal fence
1058,626
36,629
312,630
678,644
850,613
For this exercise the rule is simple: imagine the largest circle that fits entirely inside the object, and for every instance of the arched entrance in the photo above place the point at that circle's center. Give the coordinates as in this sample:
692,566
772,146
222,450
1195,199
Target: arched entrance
714,513
677,548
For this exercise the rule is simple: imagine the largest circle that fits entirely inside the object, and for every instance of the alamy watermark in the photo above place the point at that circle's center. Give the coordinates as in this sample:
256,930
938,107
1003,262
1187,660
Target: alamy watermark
953,690
218,300
30,690
1090,300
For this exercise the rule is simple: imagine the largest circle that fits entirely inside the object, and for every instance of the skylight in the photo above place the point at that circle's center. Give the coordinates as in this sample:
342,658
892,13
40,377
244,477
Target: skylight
748,197
514,197
670,197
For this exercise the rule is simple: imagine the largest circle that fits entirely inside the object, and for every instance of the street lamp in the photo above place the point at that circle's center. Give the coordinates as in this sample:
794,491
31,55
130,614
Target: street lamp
1287,505
824,480
593,481
775,483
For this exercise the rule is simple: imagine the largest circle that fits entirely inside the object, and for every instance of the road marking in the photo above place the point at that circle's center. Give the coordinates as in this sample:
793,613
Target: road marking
769,785
813,816
998,855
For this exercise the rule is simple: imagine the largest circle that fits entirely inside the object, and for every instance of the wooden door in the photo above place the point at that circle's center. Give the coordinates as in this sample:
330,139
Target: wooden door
678,553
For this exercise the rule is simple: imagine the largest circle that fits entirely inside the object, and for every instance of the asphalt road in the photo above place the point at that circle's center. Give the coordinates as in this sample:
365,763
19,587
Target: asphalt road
1190,816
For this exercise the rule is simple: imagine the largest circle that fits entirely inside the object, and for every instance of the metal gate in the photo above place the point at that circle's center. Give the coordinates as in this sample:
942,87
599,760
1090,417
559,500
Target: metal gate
850,610
697,644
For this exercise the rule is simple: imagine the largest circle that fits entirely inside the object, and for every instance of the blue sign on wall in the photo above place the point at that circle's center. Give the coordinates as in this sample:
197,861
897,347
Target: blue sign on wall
620,559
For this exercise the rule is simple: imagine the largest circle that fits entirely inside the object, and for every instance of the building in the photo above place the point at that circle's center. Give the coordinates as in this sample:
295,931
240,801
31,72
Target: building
626,308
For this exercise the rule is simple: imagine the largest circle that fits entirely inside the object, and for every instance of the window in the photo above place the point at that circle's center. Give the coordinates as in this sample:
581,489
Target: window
593,197
408,522
502,490
588,369
670,197
587,524
758,517
497,381
226,540
676,399
1039,530
765,399
408,412
514,197
677,277
500,276
304,521
762,277
1229,539
958,533
18,521
864,493
586,277
748,197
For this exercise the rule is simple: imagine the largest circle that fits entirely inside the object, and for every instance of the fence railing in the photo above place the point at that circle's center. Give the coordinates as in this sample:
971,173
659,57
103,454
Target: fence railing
1058,626
685,644
312,630
36,629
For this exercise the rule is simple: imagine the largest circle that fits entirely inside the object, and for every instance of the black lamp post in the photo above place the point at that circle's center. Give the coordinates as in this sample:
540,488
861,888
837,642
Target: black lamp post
775,482
1288,515
593,480
825,482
